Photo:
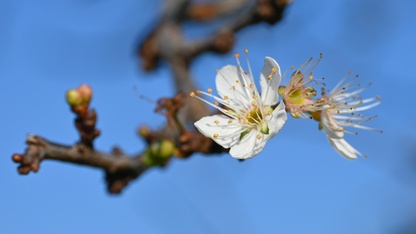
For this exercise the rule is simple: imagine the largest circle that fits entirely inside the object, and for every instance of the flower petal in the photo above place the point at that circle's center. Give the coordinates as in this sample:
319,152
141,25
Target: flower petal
230,81
259,145
342,147
269,87
226,134
331,129
277,120
247,147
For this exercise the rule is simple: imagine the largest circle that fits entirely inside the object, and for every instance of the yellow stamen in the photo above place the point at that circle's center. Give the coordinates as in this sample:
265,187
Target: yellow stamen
209,90
215,136
192,94
216,122
254,116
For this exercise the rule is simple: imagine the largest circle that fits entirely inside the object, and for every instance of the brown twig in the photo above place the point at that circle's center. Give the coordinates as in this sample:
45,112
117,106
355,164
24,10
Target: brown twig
119,168
86,127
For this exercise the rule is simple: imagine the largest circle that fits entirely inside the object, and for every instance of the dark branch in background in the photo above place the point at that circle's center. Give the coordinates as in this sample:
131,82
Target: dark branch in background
166,43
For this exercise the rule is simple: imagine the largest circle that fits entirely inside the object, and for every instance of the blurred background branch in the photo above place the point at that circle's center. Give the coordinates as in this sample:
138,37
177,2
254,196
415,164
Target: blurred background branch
167,43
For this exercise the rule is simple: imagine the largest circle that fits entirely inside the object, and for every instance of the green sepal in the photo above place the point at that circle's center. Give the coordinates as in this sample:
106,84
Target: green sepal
244,133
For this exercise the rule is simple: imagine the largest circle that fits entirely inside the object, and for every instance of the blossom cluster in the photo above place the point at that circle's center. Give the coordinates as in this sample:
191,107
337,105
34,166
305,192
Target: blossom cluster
247,118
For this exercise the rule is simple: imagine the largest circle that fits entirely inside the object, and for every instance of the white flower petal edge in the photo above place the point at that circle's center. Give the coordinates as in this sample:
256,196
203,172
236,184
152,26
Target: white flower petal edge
343,148
331,129
279,117
249,119
270,94
244,149
218,124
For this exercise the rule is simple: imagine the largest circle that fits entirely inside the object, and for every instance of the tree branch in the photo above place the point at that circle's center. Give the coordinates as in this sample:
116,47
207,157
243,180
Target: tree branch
119,168
165,42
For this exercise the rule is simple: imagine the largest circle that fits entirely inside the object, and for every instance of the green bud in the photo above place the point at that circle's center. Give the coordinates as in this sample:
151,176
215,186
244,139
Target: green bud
164,149
159,153
73,97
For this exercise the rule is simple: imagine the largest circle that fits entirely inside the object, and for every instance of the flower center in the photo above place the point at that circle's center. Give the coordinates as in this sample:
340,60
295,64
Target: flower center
296,96
255,119
254,116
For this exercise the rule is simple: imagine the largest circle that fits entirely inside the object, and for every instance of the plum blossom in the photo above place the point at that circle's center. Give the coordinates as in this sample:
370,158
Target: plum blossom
298,94
249,119
342,110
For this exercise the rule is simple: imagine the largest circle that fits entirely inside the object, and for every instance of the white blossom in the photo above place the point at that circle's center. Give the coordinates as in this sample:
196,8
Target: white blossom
298,95
249,119
342,110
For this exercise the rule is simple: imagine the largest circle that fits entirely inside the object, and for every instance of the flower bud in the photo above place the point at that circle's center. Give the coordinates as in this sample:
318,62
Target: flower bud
85,92
73,97
163,149
159,153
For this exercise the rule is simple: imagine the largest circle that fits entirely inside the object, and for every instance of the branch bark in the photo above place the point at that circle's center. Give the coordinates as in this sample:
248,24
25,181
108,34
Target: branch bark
119,168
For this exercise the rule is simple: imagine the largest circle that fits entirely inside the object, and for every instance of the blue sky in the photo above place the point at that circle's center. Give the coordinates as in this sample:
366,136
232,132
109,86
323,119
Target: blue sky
298,184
